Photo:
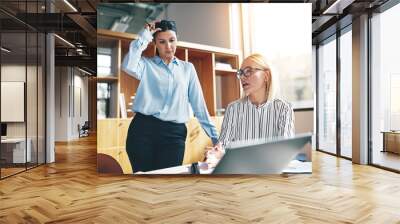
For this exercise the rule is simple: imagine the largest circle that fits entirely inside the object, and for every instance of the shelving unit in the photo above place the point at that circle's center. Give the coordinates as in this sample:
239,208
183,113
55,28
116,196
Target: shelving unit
109,47
107,79
220,85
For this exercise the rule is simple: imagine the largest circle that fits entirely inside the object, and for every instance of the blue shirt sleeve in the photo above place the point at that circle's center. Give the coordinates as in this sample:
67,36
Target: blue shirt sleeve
134,63
198,104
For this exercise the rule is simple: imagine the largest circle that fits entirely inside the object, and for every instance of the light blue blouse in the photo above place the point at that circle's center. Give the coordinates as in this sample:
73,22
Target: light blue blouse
166,91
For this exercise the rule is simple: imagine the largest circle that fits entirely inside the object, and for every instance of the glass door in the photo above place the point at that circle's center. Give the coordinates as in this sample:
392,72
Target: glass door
327,96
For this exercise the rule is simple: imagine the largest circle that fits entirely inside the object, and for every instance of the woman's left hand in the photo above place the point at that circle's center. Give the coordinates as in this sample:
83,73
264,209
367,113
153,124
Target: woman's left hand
152,27
214,154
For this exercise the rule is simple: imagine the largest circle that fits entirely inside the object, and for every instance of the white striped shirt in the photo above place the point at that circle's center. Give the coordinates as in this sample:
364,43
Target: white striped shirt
245,121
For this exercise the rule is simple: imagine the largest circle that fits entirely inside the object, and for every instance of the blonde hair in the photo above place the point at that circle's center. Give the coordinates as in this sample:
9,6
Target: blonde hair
263,63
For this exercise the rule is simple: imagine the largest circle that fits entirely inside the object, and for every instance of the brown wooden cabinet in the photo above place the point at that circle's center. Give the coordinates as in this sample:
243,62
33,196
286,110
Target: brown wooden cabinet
391,141
216,68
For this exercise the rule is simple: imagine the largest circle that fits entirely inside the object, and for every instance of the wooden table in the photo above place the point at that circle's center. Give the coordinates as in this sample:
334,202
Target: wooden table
391,141
294,167
13,150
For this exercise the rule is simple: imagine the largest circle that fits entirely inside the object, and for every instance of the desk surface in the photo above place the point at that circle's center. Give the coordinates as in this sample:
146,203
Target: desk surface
13,140
294,166
391,132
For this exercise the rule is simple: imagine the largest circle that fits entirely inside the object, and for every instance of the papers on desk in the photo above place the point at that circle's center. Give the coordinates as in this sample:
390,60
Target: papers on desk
184,169
294,166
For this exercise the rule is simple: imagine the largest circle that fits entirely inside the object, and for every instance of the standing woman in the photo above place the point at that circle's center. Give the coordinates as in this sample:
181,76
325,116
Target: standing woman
259,114
168,87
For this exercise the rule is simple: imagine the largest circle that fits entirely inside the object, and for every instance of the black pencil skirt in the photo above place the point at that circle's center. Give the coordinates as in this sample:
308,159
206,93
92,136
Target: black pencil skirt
154,144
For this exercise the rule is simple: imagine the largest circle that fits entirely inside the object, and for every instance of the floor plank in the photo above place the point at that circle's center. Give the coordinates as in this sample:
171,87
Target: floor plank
386,159
71,191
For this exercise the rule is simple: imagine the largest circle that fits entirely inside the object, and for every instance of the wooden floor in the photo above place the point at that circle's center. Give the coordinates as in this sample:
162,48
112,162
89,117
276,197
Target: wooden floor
70,191
387,159
10,171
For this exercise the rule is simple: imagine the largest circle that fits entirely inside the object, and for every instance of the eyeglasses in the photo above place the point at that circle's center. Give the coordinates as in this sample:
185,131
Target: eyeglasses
247,72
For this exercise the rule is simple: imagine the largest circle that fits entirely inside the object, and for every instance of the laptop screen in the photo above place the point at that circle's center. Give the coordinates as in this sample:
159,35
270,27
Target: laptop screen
268,157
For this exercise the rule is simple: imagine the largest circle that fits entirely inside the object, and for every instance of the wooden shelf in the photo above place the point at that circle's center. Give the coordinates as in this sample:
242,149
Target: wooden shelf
222,52
224,71
107,79
116,35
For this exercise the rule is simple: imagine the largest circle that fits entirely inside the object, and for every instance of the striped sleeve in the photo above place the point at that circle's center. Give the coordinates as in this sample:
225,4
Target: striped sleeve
228,125
286,121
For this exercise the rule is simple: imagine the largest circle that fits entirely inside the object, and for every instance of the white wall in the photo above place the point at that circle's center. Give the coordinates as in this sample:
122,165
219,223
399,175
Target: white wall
71,94
81,104
16,73
304,121
33,127
202,23
61,103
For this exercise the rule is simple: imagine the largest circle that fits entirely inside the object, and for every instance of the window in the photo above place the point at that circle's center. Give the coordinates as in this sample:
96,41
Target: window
327,96
286,44
394,102
385,87
346,93
103,100
22,68
104,62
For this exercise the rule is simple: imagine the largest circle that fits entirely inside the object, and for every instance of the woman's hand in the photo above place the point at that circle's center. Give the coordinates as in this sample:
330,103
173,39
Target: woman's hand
152,27
214,154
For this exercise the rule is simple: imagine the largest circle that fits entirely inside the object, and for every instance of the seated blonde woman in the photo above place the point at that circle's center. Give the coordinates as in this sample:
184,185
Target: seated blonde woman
258,115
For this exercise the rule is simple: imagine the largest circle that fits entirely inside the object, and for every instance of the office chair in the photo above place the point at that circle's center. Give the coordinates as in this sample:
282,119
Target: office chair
84,130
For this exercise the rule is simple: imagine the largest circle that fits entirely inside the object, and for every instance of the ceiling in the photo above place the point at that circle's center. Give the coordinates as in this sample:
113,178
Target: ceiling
77,21
76,24
332,15
127,17
74,21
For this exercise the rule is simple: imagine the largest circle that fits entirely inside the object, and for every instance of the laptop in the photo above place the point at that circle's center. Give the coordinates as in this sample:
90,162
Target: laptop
261,156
